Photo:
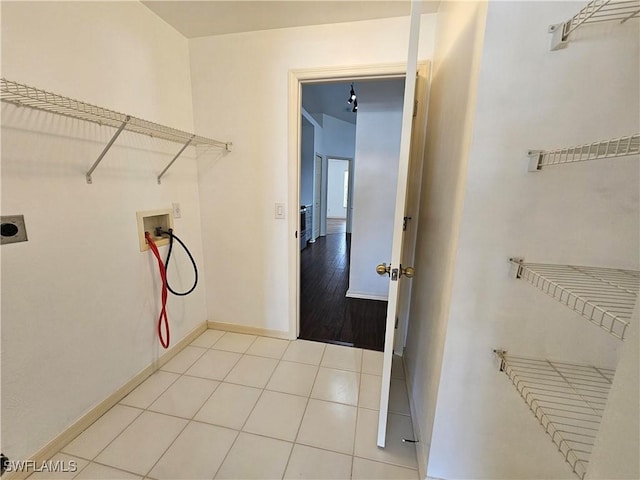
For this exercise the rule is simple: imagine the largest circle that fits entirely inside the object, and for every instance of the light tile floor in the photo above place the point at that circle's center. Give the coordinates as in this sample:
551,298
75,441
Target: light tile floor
234,406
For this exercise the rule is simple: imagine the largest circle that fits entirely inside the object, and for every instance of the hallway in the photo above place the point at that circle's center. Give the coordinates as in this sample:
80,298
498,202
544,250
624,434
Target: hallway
326,315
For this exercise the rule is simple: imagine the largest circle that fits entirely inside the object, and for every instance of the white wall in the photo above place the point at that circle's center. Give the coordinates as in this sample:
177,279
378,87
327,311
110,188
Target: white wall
339,137
336,188
307,155
318,139
317,131
237,196
79,301
529,97
450,124
374,185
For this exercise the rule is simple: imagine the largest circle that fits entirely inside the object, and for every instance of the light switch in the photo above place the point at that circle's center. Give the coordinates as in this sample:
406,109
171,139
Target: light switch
280,211
177,211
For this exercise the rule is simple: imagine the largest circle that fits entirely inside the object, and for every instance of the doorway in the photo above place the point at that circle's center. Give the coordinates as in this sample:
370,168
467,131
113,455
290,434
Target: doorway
341,299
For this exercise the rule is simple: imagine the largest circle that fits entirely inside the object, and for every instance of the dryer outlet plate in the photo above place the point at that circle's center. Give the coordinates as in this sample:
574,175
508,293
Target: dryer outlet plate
12,229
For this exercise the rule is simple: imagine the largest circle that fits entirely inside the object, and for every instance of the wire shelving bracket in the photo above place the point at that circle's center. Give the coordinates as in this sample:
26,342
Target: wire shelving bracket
604,149
567,399
595,11
604,296
26,96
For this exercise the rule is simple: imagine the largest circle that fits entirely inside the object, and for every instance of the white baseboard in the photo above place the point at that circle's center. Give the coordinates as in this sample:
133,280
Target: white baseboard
237,328
421,447
75,429
366,296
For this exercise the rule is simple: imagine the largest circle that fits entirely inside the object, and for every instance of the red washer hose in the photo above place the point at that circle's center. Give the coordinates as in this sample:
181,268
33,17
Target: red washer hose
163,275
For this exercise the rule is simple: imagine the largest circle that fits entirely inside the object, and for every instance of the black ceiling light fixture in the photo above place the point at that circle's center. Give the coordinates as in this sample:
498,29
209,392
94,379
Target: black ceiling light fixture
352,100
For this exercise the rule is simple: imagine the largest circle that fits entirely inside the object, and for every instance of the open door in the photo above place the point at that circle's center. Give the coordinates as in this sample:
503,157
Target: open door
414,184
399,273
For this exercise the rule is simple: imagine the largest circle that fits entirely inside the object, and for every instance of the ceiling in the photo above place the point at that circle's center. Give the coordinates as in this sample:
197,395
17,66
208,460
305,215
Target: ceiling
331,98
213,17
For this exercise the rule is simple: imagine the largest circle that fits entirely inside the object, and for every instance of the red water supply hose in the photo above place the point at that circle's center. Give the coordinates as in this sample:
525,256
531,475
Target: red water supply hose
163,275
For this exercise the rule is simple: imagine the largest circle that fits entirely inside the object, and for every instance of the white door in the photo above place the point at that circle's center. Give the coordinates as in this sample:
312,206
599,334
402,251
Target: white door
414,183
317,196
396,271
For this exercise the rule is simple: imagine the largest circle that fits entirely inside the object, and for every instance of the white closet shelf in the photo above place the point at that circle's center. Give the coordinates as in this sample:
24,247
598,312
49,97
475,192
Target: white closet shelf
567,399
611,148
595,11
26,96
604,296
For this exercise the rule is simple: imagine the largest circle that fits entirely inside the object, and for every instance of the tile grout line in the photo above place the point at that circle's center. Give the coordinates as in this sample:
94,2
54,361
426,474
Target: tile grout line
134,406
146,409
355,432
295,439
221,382
115,468
191,419
112,440
252,409
142,410
173,416
204,350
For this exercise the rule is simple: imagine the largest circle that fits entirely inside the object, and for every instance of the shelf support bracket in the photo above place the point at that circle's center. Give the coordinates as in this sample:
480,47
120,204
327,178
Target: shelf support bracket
500,353
535,160
106,149
517,263
559,39
175,158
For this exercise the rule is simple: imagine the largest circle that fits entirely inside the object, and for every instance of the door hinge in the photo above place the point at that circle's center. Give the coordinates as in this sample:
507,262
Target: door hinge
296,233
396,322
404,223
415,108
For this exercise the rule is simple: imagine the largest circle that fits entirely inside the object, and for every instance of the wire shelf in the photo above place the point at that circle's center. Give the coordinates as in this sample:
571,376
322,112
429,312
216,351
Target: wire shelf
567,399
612,148
604,296
595,11
26,96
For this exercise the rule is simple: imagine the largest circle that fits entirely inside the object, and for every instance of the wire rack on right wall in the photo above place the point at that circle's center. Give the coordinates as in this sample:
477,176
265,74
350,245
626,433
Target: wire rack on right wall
604,296
567,399
596,11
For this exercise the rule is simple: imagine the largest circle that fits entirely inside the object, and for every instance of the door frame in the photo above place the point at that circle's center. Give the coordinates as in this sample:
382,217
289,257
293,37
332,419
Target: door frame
296,79
318,193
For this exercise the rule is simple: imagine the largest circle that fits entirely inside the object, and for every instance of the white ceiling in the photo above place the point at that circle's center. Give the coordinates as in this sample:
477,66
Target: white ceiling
218,17
331,98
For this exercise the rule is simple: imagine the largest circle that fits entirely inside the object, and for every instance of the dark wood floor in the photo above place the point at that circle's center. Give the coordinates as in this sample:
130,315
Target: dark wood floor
326,315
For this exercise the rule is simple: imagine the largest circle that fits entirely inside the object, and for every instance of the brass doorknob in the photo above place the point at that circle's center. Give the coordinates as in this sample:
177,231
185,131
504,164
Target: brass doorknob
408,272
383,269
